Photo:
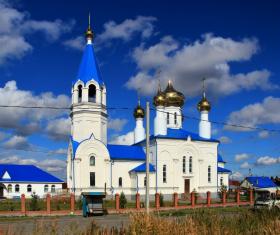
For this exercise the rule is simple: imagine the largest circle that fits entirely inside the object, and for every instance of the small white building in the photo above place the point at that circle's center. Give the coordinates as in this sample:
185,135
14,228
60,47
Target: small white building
16,180
180,161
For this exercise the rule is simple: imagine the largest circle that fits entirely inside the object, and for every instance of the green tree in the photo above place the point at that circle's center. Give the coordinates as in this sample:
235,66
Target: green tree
123,200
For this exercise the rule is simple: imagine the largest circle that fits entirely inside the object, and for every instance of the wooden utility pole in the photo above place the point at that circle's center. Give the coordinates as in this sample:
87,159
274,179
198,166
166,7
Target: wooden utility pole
147,157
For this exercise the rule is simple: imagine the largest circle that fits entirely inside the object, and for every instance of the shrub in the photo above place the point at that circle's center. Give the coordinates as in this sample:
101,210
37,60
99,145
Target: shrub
161,202
34,205
123,201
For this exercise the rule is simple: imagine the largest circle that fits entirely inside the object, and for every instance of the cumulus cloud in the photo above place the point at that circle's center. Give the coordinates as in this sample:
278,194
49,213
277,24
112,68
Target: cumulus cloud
17,142
126,139
267,160
15,26
256,114
263,134
124,31
186,64
245,165
236,175
117,124
225,140
59,129
241,157
26,121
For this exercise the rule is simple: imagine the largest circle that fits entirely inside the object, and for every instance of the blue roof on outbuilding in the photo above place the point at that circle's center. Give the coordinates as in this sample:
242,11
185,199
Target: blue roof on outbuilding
261,181
142,168
126,152
89,68
26,173
223,170
220,158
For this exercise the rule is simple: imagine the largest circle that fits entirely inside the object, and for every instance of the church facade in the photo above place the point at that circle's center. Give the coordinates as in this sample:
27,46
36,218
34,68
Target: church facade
180,161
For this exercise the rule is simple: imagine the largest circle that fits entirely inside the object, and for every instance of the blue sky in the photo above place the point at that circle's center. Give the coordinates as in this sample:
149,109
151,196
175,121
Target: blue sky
234,44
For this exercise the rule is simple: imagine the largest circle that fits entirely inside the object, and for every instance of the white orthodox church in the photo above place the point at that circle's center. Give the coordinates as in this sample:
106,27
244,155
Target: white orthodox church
180,161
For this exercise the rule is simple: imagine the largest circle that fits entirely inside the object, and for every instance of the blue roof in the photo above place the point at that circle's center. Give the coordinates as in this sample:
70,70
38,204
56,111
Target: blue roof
26,173
261,181
89,68
126,152
220,158
142,168
75,145
223,170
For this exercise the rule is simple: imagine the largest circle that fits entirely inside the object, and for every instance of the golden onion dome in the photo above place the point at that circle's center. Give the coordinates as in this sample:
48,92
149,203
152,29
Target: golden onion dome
204,104
159,99
173,97
139,112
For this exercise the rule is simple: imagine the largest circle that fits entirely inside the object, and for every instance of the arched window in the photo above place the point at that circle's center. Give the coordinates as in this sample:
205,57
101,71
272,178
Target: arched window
221,181
120,182
184,164
92,161
164,174
175,118
10,188
16,188
209,174
80,88
167,118
190,164
29,188
53,189
46,188
145,181
91,93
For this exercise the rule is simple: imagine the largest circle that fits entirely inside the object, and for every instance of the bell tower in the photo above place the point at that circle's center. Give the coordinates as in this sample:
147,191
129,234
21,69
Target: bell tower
88,110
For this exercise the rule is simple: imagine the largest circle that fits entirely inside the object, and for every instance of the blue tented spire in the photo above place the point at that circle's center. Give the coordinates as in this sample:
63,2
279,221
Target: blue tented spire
89,68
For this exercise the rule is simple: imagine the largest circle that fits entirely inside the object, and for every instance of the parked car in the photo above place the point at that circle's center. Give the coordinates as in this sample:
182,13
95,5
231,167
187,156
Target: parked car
267,199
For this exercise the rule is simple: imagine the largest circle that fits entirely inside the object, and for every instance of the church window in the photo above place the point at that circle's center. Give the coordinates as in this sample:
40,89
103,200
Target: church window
9,188
120,182
175,118
29,188
190,164
92,161
164,174
184,164
91,93
145,181
221,181
92,178
209,174
16,188
46,188
80,87
53,189
167,118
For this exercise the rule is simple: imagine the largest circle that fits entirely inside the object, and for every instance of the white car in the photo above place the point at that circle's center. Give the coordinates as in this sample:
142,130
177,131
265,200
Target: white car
266,199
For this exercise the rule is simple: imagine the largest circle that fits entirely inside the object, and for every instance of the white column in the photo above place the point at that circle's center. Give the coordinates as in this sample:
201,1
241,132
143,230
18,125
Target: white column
85,94
204,126
139,131
160,127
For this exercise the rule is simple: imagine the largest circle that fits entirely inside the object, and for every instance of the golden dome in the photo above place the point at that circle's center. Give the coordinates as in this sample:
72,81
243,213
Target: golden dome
204,105
89,33
159,99
139,112
173,97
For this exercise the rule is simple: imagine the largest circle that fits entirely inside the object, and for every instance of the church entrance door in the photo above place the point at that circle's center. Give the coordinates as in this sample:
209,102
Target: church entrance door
187,186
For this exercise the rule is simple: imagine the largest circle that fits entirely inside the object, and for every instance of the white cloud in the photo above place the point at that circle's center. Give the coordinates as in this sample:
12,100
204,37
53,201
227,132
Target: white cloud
256,114
60,151
225,140
59,129
187,64
77,43
263,134
126,139
15,26
17,142
117,124
27,121
17,160
236,175
245,165
266,160
241,157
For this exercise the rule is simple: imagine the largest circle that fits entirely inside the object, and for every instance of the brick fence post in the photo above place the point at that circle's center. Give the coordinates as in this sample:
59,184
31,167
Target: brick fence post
23,207
72,203
251,196
157,202
224,194
48,199
193,199
117,201
238,196
175,200
208,198
137,201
